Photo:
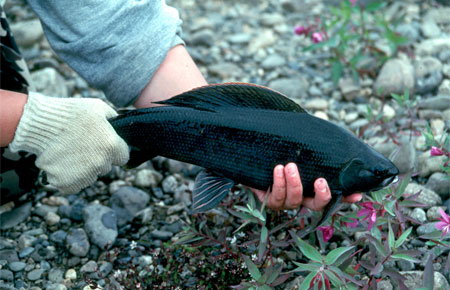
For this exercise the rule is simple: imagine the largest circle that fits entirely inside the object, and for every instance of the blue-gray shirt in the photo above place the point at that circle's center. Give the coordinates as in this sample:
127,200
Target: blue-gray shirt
116,45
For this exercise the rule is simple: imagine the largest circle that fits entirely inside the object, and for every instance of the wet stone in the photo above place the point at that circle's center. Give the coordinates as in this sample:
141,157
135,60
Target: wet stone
100,224
16,266
35,274
12,218
161,235
55,275
127,202
439,183
26,252
58,237
77,242
419,215
9,255
6,275
89,267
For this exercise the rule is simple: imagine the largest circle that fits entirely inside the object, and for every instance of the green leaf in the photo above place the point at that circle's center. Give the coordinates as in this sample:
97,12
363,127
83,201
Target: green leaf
335,254
336,71
402,186
265,287
391,238
374,6
264,234
252,269
389,207
307,281
273,273
309,251
333,278
402,238
258,215
405,257
304,267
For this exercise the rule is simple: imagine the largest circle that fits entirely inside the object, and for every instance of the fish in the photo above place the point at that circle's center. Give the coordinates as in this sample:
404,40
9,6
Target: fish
238,132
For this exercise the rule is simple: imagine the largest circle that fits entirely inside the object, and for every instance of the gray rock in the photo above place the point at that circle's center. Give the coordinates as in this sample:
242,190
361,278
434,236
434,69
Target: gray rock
52,219
350,117
6,275
408,30
446,70
56,275
225,70
429,164
430,29
35,274
291,87
385,285
271,19
126,202
77,242
15,216
430,114
25,241
263,39
9,255
433,46
100,224
89,267
419,215
43,209
16,266
273,61
426,196
58,237
203,37
316,104
239,38
439,183
76,211
314,91
405,157
147,177
396,76
405,265
428,74
26,252
49,82
358,124
175,208
426,228
56,287
439,15
381,145
414,280
433,213
27,32
170,184
161,235
106,268
350,90
444,88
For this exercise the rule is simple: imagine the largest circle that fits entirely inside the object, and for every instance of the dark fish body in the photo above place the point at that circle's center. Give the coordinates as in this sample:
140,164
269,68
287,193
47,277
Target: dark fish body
240,132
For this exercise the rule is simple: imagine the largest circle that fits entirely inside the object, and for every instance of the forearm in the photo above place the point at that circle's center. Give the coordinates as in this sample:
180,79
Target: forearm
176,74
11,109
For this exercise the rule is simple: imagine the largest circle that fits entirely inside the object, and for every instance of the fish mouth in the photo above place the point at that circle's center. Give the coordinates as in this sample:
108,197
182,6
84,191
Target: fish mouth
387,181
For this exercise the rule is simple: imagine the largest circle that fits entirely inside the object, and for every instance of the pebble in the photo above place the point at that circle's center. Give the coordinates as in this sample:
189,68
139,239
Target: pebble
6,275
175,208
429,164
388,112
16,266
58,237
56,287
161,235
56,275
440,102
225,70
414,280
419,215
439,183
71,274
126,202
426,196
291,87
350,117
35,274
405,157
77,242
25,241
203,37
17,215
444,88
147,178
433,46
273,61
428,74
169,184
263,39
100,224
426,228
9,255
239,38
89,267
49,82
433,213
316,104
430,29
52,218
27,32
26,252
396,76
350,90
321,115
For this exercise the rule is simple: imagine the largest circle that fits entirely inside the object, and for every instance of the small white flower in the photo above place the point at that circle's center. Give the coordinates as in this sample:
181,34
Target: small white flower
254,257
243,266
241,234
213,274
117,274
133,245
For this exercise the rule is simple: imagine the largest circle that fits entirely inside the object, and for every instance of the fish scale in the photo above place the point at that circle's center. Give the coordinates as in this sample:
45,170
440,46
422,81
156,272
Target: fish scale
240,132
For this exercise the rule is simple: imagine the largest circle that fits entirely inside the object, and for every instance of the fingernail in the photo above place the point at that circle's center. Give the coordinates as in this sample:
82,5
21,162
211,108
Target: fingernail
291,169
322,185
279,170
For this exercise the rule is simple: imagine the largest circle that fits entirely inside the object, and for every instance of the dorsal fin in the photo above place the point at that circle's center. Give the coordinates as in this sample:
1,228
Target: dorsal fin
214,97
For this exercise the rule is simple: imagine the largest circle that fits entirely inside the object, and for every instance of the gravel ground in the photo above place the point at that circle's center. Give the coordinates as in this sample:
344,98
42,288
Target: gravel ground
127,218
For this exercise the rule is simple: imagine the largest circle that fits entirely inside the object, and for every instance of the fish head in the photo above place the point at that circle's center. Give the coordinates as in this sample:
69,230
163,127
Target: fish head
368,174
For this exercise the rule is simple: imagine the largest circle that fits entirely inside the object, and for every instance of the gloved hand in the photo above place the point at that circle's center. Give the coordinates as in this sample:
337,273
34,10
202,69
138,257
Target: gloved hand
72,139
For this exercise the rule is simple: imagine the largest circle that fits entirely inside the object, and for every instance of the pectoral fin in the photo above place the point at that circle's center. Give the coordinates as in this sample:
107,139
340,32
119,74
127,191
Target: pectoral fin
330,208
137,157
209,191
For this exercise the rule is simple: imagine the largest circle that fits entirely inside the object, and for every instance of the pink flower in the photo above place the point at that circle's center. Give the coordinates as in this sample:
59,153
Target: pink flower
353,2
369,212
327,232
317,37
353,224
444,224
436,151
301,30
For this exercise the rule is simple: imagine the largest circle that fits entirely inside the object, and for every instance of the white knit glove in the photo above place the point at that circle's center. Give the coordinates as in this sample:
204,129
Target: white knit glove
72,139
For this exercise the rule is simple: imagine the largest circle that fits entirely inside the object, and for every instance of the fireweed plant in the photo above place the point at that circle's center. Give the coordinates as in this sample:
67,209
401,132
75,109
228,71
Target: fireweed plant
349,28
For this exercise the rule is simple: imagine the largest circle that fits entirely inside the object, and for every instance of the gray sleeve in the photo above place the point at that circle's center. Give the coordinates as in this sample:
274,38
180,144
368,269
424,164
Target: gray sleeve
115,45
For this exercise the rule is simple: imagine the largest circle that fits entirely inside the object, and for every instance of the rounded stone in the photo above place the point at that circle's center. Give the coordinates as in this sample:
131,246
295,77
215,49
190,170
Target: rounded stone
419,215
77,242
71,274
35,274
52,219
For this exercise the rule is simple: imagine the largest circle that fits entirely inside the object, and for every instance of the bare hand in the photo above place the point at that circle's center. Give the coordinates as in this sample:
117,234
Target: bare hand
287,191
